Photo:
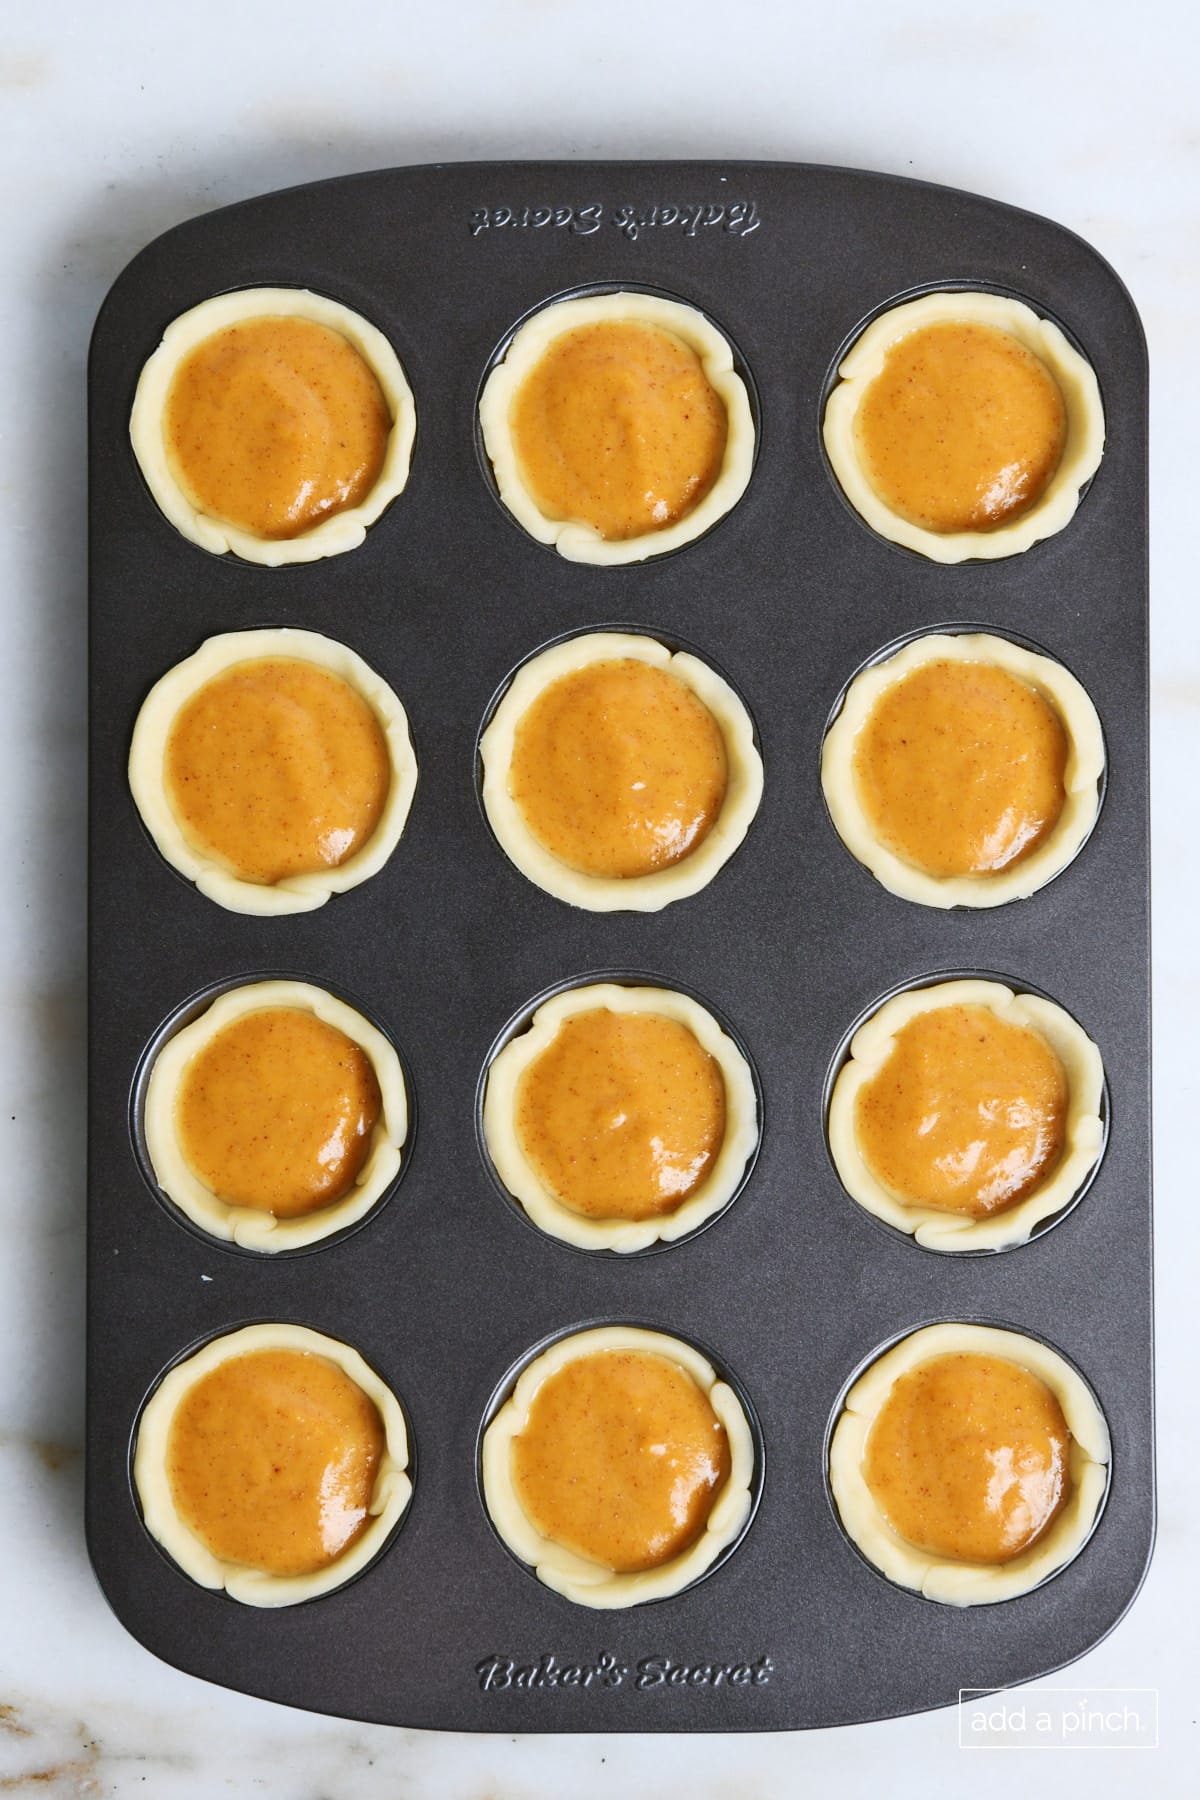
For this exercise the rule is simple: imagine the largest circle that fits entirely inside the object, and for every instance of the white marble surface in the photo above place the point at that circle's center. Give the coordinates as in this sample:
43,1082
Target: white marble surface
119,120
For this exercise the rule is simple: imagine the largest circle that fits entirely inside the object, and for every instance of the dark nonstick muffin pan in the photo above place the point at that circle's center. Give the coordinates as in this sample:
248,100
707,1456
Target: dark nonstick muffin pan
446,1290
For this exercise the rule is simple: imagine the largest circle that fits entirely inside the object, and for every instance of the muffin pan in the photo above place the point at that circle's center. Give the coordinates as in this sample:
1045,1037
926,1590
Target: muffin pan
444,1289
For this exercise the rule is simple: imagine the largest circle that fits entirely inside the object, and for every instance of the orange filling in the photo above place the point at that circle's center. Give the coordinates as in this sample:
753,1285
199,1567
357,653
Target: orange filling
968,1458
274,424
277,1112
621,1459
617,427
961,768
276,768
967,1115
962,429
272,1459
619,769
622,1115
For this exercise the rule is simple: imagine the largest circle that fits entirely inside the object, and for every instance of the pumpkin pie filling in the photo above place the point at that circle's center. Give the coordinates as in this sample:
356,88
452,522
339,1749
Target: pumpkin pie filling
960,768
275,1116
617,426
964,425
278,1111
276,767
620,1459
619,775
272,1459
968,1458
621,1466
967,1115
963,429
274,424
619,769
964,769
272,1463
622,1115
969,1463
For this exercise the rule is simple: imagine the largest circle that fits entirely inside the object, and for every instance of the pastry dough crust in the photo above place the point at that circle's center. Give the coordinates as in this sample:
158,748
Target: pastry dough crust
1085,766
571,537
640,893
572,1575
1076,381
147,754
959,1583
521,1179
1083,1140
245,1225
342,531
255,1587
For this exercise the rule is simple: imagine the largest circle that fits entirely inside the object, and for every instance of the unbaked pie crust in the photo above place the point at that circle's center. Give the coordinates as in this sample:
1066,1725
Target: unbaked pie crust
521,1179
1076,381
572,538
295,893
563,1570
1083,1127
246,1225
256,1587
343,530
1084,768
962,1583
641,893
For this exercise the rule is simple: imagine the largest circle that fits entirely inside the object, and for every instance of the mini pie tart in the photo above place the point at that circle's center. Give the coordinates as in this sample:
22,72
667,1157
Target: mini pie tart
964,770
277,1117
619,776
324,421
969,1463
967,1114
620,1117
654,1512
963,425
273,768
617,427
271,1463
